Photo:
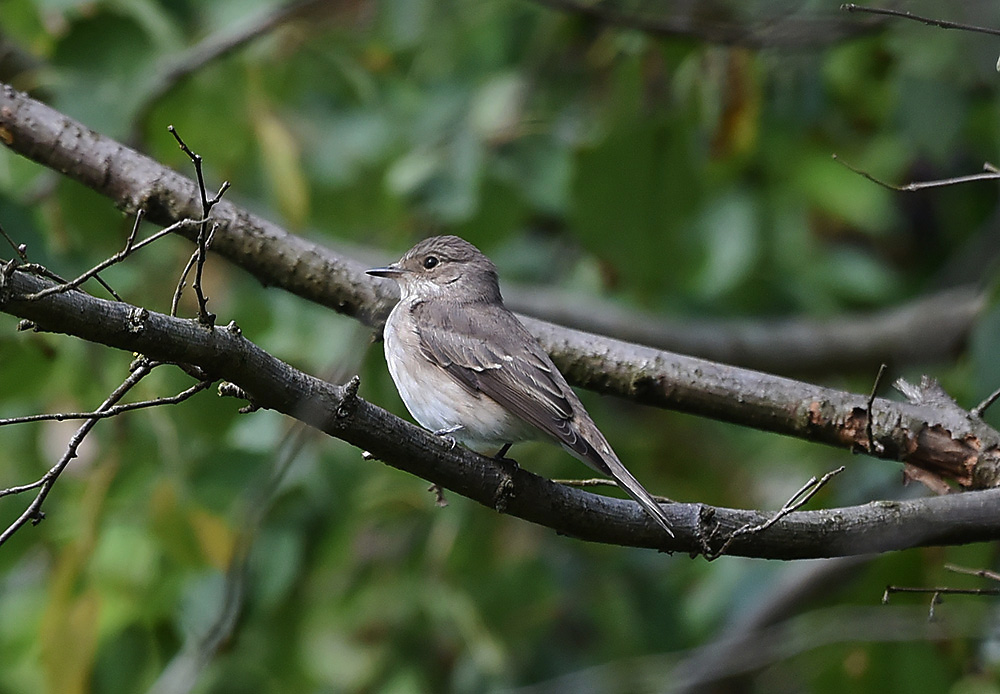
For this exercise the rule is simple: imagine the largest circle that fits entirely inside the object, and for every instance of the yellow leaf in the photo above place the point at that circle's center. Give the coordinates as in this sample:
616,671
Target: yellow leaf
215,538
282,164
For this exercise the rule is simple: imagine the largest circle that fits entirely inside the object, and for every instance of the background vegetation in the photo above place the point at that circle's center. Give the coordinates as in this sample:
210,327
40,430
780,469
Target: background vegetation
685,178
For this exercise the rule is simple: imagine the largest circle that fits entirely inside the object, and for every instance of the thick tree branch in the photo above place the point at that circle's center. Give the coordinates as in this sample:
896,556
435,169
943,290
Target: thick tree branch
943,440
927,329
338,411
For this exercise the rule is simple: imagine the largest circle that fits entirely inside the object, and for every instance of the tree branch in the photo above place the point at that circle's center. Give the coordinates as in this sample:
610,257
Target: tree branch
944,440
338,411
924,330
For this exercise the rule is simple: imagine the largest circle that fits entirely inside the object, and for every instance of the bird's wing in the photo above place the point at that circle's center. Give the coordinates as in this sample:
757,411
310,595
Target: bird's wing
489,351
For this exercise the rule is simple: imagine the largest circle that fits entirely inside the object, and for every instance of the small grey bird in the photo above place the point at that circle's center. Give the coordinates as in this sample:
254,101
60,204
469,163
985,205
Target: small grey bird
465,366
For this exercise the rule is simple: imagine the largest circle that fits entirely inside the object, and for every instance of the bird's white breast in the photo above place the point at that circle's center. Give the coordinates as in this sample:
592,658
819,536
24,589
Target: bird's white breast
435,399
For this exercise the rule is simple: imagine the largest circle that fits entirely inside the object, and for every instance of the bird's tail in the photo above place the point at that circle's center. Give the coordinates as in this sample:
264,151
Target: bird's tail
603,459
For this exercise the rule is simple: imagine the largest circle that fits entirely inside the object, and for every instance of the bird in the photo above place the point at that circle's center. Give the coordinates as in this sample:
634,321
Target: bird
467,368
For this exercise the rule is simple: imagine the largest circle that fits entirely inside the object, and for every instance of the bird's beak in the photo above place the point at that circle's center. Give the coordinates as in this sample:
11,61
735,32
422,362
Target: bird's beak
388,271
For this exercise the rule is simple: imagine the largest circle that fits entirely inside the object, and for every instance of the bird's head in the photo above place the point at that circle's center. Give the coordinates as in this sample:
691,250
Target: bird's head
444,266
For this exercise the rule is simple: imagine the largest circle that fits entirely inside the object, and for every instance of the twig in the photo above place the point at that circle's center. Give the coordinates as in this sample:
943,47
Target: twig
204,235
941,23
109,412
979,409
873,446
34,511
182,280
130,247
602,482
938,591
794,503
19,248
936,594
981,573
991,173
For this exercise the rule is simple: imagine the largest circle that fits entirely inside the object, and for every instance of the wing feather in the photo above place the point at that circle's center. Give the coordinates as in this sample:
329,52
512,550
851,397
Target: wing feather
510,367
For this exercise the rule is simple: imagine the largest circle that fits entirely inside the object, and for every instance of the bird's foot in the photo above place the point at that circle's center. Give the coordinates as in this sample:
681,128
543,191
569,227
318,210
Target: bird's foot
444,434
505,490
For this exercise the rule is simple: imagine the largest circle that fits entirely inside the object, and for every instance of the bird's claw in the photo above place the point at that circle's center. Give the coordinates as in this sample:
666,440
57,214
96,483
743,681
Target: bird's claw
444,434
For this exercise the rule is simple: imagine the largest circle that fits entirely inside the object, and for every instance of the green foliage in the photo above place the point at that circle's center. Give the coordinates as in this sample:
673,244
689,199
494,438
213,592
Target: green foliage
667,174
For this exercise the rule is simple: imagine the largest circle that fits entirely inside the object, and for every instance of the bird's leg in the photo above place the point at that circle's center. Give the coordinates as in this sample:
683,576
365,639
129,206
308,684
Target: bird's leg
444,433
505,490
509,464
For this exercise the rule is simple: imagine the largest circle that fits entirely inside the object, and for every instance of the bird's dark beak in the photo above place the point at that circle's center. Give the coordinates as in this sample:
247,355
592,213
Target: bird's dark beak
387,271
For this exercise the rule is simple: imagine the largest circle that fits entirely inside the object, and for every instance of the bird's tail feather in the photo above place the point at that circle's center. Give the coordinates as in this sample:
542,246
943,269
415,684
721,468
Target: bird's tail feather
608,463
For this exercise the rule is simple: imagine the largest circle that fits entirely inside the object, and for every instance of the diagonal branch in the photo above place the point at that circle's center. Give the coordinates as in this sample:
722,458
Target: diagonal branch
338,411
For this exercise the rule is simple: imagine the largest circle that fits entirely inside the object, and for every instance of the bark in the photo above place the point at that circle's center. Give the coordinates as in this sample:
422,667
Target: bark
338,411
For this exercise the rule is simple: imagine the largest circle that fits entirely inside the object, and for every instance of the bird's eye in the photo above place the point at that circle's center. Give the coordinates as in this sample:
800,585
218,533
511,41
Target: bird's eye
430,262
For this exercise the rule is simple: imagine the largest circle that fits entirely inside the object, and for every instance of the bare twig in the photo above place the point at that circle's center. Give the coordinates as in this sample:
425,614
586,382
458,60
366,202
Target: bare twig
130,247
981,573
941,23
204,234
979,409
873,446
602,482
794,503
19,248
44,485
936,593
109,412
182,280
990,173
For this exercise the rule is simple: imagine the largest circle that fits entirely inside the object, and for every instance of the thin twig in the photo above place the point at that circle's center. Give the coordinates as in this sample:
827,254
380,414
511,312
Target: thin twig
40,270
873,448
941,23
991,173
936,594
182,280
34,511
19,248
981,573
109,412
130,247
204,316
979,409
794,503
603,482
941,591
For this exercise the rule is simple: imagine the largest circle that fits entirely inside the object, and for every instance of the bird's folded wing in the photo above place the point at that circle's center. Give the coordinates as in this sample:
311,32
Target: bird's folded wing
489,351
